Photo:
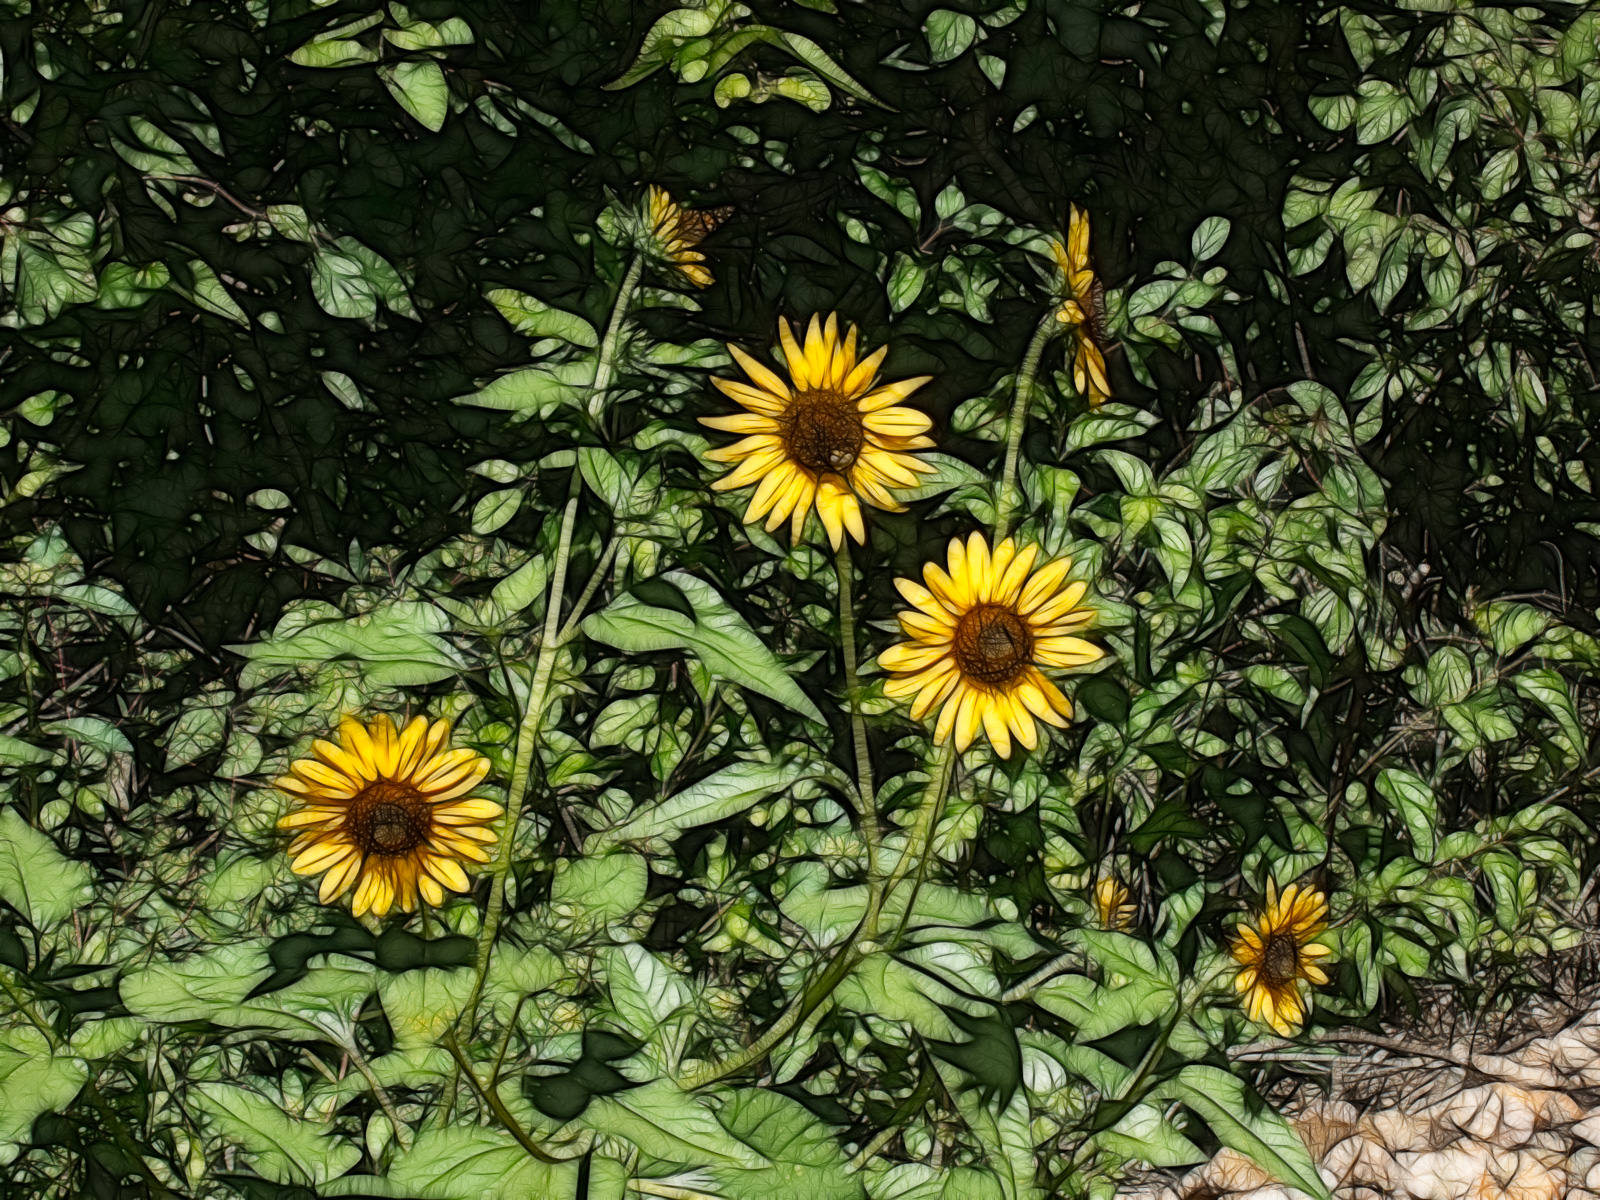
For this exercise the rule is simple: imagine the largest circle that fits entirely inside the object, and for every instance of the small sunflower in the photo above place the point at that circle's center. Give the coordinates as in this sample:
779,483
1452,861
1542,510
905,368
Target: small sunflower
1277,952
979,634
1111,907
826,438
675,231
1083,310
388,813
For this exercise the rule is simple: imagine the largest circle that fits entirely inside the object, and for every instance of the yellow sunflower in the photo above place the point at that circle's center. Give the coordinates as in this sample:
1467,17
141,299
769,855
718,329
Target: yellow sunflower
388,813
826,438
1083,310
1111,907
979,633
675,231
1277,952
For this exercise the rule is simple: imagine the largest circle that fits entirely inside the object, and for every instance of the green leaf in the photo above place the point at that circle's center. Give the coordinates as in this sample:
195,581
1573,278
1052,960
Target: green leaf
399,645
33,1080
420,87
96,732
665,1122
1418,807
350,280
717,635
36,879
715,798
286,1149
1143,1135
532,316
599,888
534,391
949,34
495,509
421,1005
645,991
472,1162
1262,1136
806,1161
1209,237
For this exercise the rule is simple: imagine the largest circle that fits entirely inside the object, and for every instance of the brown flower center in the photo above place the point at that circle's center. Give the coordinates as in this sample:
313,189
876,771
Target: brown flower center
1280,961
388,818
822,431
993,645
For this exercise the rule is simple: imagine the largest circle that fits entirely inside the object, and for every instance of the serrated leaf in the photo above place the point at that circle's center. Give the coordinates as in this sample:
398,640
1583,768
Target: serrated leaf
297,1149
665,1122
1246,1125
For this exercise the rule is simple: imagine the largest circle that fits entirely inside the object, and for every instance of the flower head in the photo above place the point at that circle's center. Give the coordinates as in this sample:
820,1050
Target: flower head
387,812
1277,952
674,232
825,437
1082,309
1111,907
979,633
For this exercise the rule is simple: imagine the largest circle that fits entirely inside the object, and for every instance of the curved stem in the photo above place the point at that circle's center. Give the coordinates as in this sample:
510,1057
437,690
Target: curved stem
850,951
1006,497
858,722
606,365
496,1105
522,764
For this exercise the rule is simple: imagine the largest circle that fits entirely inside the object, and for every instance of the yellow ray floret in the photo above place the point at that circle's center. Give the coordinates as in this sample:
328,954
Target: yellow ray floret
385,811
1277,952
1082,310
827,437
675,231
1111,907
981,629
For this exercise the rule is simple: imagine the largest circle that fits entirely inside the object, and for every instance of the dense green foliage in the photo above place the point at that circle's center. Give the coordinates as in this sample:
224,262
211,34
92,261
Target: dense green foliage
332,386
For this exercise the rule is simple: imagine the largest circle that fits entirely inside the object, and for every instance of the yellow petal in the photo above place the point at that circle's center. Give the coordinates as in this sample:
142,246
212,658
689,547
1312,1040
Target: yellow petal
770,404
461,812
890,393
431,891
911,656
327,782
448,872
897,422
338,879
799,368
358,742
1043,585
322,856
969,718
765,379
994,725
744,422
861,375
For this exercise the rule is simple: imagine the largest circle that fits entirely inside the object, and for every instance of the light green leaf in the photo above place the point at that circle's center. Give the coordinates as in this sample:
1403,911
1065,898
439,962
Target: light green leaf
420,87
1264,1137
717,635
399,645
35,877
1417,805
665,1122
534,391
949,34
599,887
495,509
532,316
421,1004
1209,237
96,732
286,1149
473,1162
33,1080
715,798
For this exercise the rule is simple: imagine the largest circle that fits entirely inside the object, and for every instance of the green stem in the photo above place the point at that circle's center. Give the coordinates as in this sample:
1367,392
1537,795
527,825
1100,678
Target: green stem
927,823
850,951
606,365
858,722
1006,498
522,764
496,1105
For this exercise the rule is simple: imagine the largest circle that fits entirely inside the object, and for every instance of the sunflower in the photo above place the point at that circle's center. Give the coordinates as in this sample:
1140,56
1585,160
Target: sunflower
388,812
1083,310
1277,952
674,231
1111,907
826,438
979,634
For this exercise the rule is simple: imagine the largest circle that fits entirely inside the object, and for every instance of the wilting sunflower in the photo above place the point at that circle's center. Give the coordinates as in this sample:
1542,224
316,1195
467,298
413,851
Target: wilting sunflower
979,634
675,231
826,438
1277,952
1111,907
1083,310
388,813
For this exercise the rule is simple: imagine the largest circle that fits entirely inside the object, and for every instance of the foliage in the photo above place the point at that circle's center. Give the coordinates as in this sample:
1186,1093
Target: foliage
339,379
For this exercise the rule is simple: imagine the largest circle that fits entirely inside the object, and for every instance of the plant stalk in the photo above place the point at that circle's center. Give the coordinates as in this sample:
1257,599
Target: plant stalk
1006,498
858,722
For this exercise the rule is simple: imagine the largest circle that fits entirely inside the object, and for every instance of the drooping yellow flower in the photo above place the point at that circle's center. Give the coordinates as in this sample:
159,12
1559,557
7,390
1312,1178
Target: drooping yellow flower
388,813
980,632
826,438
1111,907
675,231
1082,310
1277,952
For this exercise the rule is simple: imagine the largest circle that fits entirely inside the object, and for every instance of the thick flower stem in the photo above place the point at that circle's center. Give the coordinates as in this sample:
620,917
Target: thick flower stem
522,764
858,722
606,365
856,946
1006,498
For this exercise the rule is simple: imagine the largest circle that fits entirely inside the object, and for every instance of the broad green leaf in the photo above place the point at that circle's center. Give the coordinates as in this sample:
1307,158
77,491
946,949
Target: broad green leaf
645,991
399,645
717,635
421,89
298,1149
473,1162
33,1080
1417,805
196,988
949,34
532,316
534,391
715,798
599,888
1245,1124
95,732
421,1004
806,1161
36,879
1209,237
665,1122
